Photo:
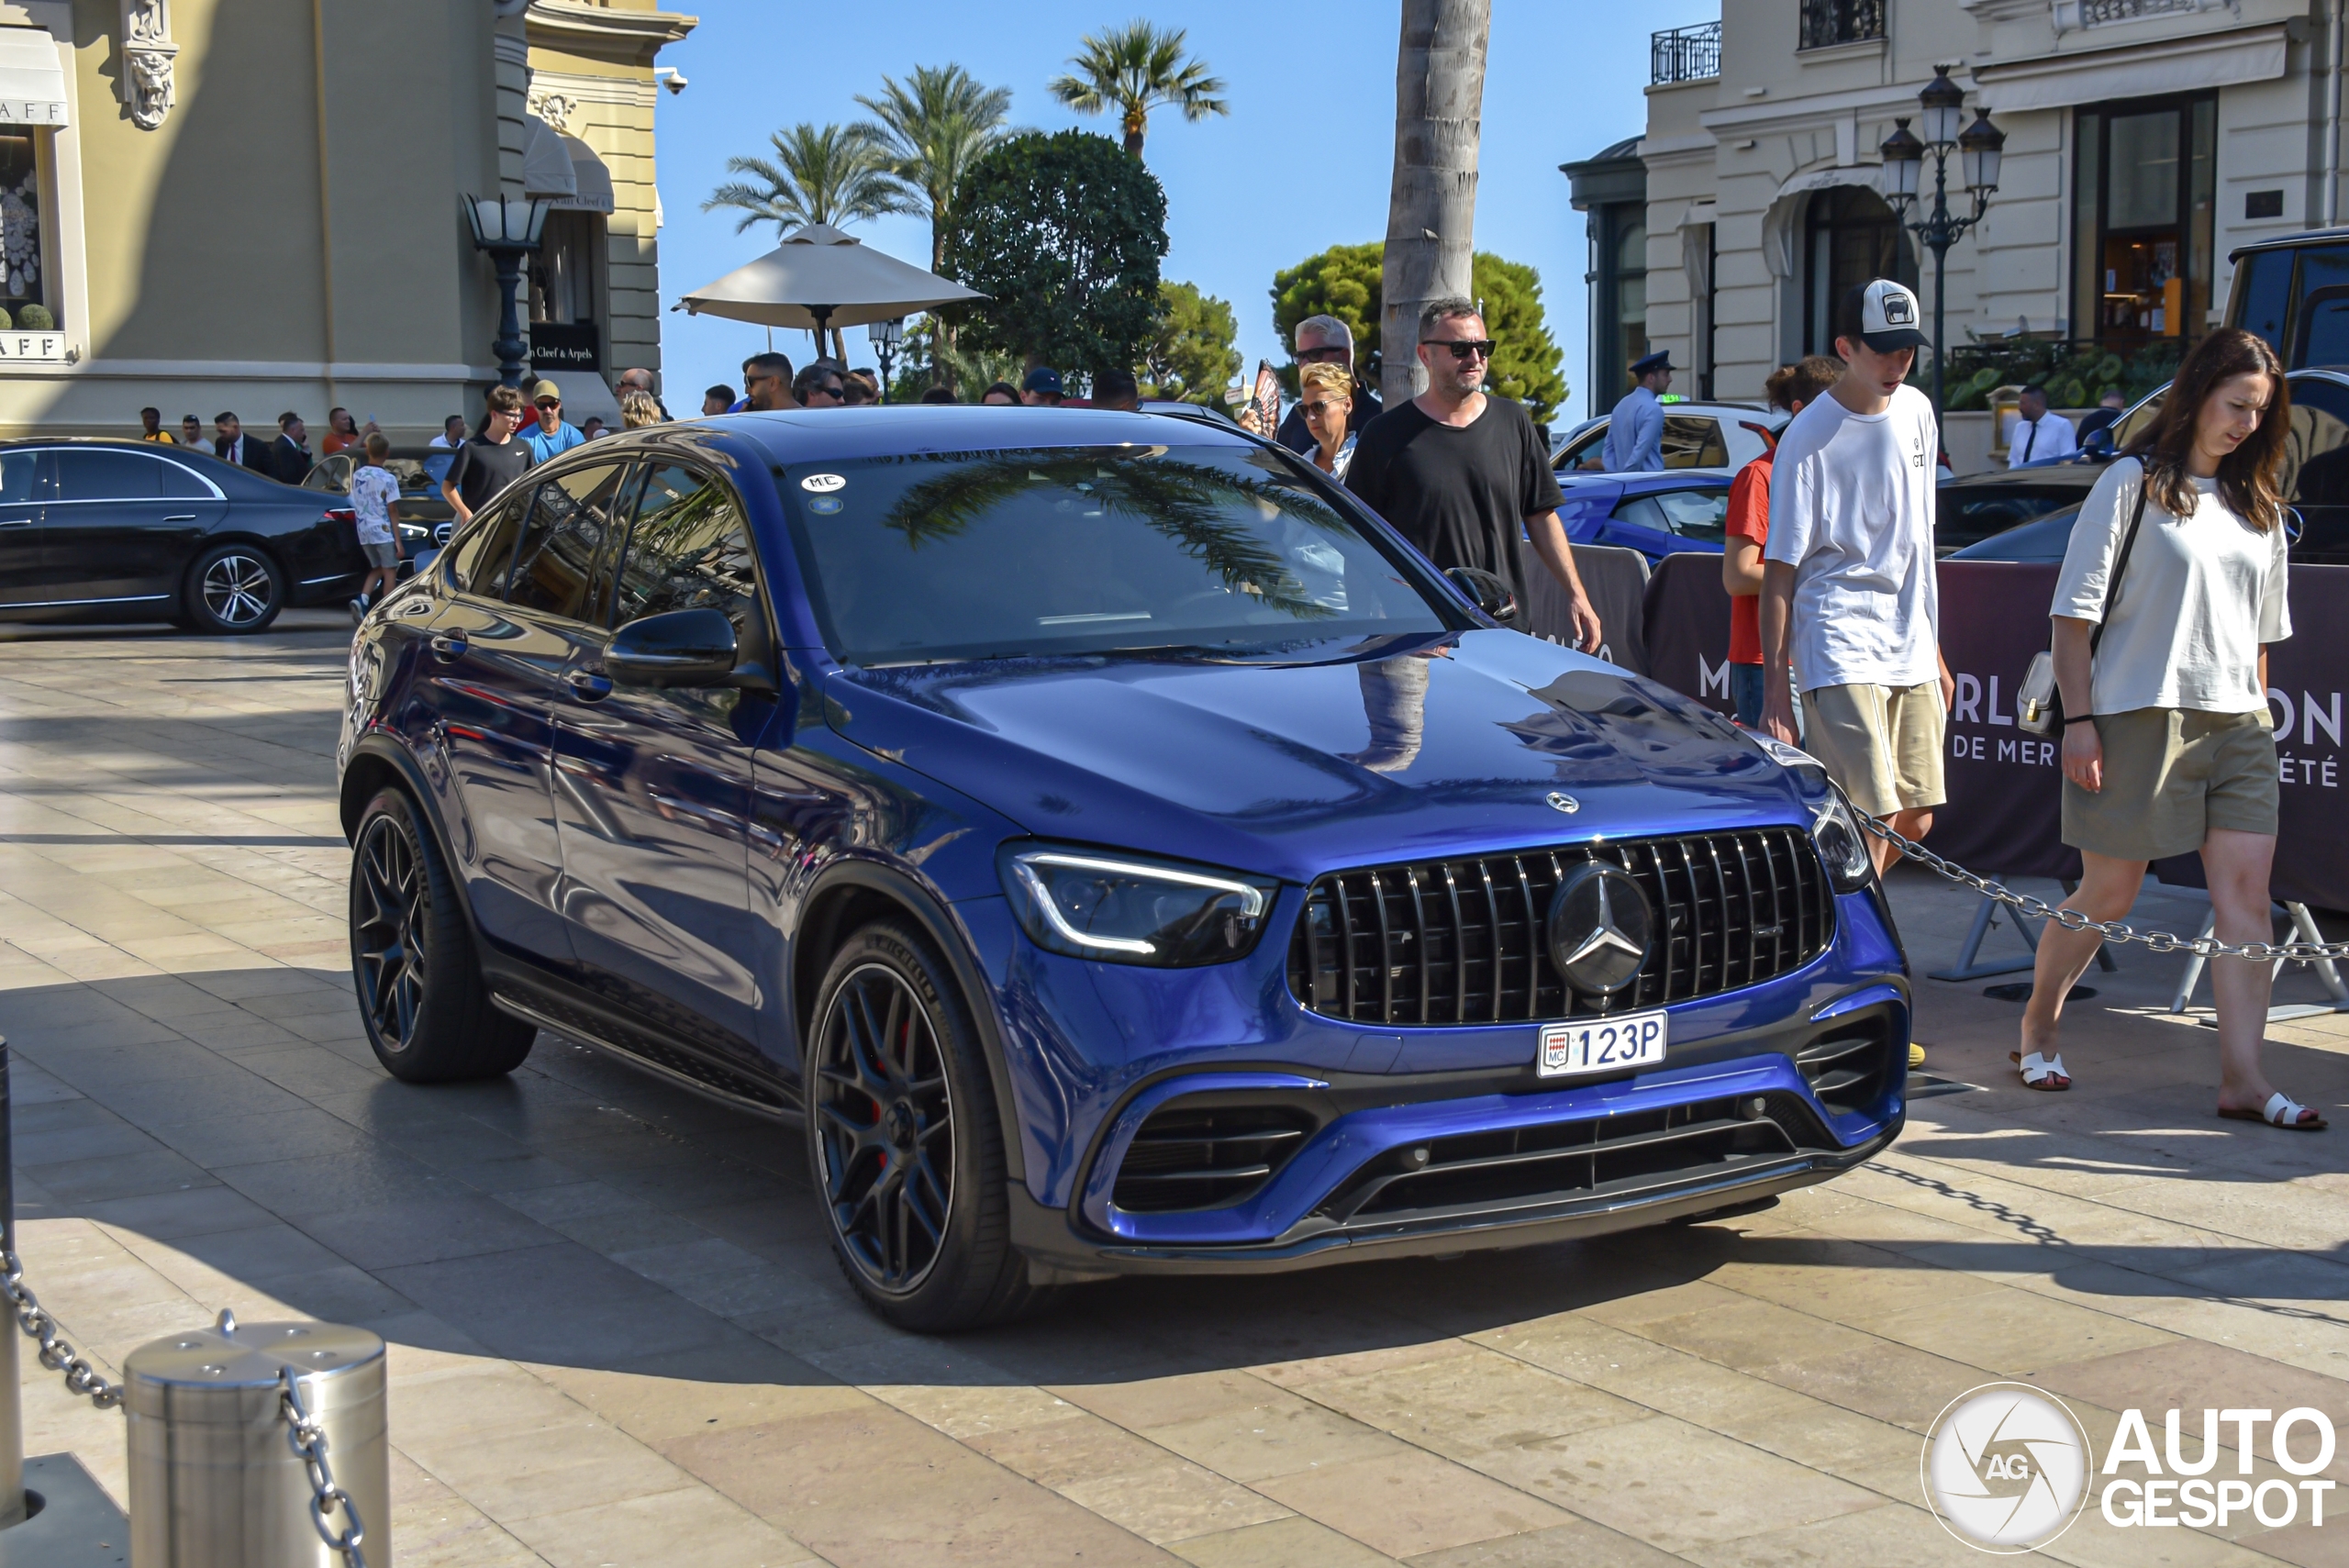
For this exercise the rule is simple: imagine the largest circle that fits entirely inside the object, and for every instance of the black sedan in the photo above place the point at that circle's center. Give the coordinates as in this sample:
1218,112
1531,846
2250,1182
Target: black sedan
98,530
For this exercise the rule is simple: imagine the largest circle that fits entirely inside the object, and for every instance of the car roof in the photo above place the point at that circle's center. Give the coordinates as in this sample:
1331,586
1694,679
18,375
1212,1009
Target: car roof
2293,242
2063,477
810,435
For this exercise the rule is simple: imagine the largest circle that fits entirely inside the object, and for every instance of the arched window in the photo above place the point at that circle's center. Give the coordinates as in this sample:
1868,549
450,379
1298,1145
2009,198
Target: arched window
1850,237
1632,292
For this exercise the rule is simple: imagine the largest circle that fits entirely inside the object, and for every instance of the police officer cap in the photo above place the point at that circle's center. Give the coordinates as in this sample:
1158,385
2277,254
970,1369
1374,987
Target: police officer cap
1659,360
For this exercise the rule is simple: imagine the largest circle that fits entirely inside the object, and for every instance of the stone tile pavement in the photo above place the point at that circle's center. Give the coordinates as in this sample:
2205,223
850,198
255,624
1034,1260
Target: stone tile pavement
617,1337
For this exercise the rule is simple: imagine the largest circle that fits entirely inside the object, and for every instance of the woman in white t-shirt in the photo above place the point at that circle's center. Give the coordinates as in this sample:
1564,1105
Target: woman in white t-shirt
2167,741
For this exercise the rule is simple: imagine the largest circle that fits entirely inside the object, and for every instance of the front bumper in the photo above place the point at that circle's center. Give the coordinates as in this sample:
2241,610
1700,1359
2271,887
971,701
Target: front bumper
1405,1166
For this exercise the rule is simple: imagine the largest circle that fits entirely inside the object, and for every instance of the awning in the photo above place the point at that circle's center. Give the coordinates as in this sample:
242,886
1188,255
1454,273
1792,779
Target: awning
546,163
2138,70
593,182
33,83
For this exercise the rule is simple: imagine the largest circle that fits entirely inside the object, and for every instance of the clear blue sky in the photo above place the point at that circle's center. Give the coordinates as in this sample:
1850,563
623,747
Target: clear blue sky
1302,162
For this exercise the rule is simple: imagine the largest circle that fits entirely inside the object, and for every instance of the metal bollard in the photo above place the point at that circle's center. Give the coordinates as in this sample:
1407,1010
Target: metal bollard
12,1406
213,1483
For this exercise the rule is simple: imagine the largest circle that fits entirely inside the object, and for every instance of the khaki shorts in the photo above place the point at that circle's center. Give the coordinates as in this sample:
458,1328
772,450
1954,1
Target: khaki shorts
1883,744
2170,777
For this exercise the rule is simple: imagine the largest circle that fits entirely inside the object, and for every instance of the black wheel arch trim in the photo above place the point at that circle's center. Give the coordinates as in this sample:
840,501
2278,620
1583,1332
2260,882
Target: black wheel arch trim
952,940
376,746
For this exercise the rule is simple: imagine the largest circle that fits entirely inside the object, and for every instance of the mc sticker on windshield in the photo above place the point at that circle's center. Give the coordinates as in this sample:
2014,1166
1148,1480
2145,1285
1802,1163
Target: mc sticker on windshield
823,483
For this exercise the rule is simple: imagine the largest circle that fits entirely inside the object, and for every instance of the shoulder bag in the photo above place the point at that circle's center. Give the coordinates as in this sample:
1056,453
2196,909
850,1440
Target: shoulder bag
2039,705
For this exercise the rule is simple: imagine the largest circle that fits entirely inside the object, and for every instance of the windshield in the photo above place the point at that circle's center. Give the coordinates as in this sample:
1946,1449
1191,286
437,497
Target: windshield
1087,550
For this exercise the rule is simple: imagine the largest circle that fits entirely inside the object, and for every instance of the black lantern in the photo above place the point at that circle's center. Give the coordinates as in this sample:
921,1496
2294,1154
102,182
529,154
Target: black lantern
1942,107
508,228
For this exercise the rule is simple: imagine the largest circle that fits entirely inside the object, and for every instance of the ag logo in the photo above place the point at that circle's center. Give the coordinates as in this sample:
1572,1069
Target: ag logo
2006,1467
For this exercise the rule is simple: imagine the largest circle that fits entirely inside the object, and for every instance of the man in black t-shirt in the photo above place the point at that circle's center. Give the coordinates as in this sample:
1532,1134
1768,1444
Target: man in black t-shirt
490,460
1463,476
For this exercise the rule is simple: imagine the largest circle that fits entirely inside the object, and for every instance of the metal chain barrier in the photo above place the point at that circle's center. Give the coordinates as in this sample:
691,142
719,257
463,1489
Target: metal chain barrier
307,1438
2110,930
80,1377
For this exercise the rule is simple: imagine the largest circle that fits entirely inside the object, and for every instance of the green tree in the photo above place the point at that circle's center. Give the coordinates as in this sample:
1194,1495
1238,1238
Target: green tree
1345,281
1065,234
1132,69
836,174
1191,356
934,126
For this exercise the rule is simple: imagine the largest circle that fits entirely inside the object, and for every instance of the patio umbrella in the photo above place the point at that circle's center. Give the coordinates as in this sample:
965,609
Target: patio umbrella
819,278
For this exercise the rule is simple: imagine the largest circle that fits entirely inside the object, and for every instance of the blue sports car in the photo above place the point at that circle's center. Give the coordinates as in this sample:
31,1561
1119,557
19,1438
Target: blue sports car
1655,513
1112,846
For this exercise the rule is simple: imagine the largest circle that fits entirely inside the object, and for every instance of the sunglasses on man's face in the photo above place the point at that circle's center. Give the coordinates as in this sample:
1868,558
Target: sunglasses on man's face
1464,348
549,403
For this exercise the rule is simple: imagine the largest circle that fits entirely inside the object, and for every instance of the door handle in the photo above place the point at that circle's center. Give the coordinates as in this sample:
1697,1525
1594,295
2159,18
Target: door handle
588,686
182,517
16,522
447,649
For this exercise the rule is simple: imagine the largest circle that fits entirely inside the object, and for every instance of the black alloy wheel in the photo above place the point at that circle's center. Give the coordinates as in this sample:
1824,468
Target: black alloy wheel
887,1127
232,590
421,997
905,1147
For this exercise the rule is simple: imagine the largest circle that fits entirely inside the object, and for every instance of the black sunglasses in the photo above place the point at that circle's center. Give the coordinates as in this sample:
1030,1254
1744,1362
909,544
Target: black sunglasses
1464,348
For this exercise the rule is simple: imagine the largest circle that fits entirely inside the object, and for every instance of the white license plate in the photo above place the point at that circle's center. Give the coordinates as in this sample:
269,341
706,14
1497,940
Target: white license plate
1602,1045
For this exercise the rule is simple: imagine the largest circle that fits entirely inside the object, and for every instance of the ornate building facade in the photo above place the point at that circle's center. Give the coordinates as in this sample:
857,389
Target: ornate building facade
255,205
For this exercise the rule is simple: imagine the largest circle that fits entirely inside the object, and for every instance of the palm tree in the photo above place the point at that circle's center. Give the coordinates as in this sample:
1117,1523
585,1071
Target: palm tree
1431,205
934,126
1134,70
835,175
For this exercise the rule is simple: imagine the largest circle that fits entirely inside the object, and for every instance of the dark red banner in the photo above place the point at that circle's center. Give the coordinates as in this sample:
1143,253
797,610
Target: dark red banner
1615,579
1687,615
2006,804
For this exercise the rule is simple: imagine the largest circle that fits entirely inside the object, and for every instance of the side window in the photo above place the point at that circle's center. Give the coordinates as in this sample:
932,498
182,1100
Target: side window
567,526
331,473
1642,512
1696,513
690,547
1694,440
2316,460
20,477
181,484
2265,290
478,559
96,474
1588,453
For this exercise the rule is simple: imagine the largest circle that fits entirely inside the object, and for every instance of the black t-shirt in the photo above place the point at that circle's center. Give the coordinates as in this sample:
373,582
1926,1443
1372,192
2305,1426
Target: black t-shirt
483,467
1461,494
1295,435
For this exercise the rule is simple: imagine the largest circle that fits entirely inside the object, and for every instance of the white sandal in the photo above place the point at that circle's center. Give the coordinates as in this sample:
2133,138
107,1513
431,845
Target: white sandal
2042,1072
2281,1110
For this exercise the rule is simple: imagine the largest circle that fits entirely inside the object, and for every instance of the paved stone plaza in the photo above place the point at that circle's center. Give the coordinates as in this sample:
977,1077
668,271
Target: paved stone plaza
617,1337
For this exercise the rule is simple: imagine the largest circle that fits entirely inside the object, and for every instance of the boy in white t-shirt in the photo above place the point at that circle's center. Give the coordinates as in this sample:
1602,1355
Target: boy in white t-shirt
374,492
1848,579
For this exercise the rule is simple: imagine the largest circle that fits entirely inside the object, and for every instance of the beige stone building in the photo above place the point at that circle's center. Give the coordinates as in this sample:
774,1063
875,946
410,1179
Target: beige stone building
255,205
2145,138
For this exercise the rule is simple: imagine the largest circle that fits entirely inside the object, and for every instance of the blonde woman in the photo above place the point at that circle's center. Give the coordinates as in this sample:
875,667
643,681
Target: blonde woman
1326,394
2172,588
639,409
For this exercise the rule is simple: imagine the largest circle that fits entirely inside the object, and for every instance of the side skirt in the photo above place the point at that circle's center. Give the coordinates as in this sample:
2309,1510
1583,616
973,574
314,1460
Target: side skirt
684,1068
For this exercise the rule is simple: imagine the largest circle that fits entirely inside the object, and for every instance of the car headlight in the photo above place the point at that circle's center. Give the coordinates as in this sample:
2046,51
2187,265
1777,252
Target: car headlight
1842,844
1123,909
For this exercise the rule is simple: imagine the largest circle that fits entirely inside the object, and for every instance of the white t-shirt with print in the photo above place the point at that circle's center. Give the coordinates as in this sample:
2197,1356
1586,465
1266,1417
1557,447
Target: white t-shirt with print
2199,594
1852,511
373,492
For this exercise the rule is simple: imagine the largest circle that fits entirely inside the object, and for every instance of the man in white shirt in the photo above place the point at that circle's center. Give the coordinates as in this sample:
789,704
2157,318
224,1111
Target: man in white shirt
1847,583
2039,434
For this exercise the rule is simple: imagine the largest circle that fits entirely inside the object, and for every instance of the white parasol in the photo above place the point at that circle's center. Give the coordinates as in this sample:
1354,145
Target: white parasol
819,278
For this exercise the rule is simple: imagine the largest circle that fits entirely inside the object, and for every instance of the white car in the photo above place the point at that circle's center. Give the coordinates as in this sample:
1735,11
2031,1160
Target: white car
1715,436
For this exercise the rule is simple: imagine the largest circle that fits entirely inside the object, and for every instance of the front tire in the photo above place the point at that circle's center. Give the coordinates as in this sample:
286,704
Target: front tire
427,1012
233,590
905,1147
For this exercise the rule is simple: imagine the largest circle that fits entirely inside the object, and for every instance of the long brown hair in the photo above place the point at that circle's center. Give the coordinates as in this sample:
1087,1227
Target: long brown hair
2248,475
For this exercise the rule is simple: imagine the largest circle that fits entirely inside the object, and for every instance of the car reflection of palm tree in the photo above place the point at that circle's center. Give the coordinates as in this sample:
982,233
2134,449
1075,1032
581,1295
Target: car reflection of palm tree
1202,510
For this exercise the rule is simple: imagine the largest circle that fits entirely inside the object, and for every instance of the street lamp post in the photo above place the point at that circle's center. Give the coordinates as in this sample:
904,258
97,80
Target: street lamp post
509,229
886,336
1979,146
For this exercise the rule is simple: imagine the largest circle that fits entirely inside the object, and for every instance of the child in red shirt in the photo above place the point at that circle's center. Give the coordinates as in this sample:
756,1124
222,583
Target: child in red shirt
1790,387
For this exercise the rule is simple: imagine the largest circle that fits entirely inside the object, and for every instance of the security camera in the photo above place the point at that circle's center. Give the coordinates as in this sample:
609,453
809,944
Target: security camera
668,76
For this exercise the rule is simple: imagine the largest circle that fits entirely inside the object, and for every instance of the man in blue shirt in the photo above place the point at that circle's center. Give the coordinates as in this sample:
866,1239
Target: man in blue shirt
1635,430
550,435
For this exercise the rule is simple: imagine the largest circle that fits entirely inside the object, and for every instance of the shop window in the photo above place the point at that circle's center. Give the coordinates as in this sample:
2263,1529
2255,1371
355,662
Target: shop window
2144,189
1851,237
1630,297
27,250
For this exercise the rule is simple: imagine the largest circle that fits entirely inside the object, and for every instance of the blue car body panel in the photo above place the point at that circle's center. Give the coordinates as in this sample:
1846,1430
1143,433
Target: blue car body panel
909,779
1591,501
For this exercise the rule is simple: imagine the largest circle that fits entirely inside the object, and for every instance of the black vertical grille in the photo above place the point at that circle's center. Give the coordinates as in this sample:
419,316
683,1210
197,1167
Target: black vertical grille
1462,941
1189,1156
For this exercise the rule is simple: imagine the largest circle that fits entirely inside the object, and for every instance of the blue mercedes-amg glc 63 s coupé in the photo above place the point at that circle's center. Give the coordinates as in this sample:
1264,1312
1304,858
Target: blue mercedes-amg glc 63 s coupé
1112,845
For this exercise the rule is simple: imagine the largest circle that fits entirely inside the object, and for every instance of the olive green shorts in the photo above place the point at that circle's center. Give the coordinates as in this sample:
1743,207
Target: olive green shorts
1883,744
2170,777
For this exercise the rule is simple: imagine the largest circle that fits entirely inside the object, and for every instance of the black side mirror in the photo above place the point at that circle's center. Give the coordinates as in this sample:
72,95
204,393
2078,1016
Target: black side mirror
683,647
1488,591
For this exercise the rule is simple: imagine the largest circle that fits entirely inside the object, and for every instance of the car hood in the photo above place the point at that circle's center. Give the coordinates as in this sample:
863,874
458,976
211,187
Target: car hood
1419,748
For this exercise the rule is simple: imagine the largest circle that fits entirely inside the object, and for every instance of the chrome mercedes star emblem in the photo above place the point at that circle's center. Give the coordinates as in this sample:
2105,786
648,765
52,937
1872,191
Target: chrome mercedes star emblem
1564,803
1599,929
